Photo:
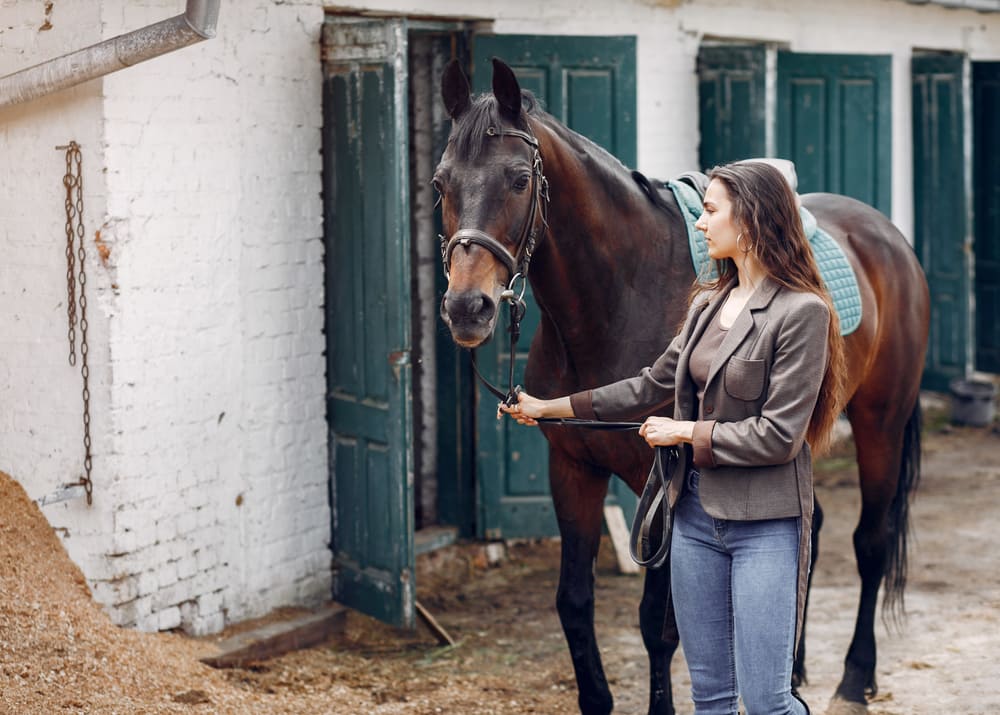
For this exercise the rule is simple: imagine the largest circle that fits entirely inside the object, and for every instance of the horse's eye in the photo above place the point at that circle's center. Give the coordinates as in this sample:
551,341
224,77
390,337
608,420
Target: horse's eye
438,186
521,182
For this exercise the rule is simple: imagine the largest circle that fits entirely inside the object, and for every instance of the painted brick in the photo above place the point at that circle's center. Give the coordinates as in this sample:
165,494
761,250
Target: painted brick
168,619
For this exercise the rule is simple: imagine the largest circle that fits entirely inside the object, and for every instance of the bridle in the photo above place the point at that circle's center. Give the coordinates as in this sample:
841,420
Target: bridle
517,263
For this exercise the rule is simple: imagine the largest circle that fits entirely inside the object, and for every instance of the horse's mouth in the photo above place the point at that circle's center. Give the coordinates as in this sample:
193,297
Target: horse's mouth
471,336
470,333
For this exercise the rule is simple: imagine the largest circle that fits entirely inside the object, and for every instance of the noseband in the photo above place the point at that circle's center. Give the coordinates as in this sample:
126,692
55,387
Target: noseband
516,263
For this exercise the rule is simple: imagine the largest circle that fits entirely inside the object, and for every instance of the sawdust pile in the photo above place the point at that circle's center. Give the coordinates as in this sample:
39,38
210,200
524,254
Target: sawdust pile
59,652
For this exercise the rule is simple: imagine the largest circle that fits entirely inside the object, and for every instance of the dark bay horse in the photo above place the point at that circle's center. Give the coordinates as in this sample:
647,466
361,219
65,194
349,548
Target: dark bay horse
611,272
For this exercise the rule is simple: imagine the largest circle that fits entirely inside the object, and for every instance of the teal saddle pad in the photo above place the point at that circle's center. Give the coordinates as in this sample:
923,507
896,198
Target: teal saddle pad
834,268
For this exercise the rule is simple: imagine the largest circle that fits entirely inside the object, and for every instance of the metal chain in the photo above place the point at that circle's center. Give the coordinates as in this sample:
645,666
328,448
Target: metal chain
69,181
73,181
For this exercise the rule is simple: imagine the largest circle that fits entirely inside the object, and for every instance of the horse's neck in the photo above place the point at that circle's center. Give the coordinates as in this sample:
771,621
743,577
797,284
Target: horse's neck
611,260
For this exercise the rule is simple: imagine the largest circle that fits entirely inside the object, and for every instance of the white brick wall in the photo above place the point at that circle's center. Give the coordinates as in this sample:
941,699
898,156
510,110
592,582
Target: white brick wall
202,178
41,429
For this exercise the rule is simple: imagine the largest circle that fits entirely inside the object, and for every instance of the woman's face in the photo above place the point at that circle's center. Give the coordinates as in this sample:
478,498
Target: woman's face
716,222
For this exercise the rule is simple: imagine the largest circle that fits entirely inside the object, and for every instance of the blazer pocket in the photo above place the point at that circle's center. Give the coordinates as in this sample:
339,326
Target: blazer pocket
744,379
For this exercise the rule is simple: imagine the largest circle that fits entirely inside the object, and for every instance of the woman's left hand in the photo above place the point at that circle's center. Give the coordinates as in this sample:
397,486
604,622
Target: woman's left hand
665,432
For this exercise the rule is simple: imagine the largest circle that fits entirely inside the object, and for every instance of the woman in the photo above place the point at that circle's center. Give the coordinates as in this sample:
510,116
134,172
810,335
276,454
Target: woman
755,377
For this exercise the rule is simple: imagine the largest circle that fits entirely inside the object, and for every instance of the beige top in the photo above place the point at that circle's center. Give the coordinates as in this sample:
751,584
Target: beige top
703,353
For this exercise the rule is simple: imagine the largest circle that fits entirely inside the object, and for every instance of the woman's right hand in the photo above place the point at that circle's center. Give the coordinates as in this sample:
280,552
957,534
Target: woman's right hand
526,410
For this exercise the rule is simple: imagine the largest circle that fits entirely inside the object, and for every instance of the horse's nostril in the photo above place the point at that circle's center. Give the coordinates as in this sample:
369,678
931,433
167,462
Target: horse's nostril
466,306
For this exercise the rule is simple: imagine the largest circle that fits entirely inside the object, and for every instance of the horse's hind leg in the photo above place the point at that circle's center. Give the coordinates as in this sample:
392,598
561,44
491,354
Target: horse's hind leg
578,493
879,440
659,635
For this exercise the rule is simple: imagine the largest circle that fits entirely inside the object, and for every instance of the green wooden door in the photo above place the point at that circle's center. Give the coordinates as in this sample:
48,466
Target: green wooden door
941,230
368,316
731,103
986,161
589,84
834,123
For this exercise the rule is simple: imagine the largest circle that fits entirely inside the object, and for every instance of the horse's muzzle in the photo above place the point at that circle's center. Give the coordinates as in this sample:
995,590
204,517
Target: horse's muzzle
470,316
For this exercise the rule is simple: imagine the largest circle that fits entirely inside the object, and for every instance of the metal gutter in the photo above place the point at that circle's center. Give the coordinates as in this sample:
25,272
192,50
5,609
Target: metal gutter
197,23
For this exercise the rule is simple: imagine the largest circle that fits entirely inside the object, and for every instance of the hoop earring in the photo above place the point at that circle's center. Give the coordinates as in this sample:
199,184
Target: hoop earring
739,247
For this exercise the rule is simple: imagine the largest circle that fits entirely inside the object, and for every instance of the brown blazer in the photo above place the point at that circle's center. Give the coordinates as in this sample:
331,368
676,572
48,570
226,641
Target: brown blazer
749,438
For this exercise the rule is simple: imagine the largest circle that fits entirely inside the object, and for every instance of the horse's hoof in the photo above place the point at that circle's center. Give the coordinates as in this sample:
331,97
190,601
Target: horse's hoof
839,706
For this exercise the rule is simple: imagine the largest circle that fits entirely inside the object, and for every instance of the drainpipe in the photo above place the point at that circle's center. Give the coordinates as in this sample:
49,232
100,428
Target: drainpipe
197,23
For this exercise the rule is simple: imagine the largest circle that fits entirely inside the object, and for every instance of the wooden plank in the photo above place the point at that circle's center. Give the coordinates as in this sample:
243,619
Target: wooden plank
614,518
274,639
433,538
443,637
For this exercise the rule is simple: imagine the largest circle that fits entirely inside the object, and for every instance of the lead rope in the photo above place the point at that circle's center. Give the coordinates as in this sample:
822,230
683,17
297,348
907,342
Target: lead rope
73,183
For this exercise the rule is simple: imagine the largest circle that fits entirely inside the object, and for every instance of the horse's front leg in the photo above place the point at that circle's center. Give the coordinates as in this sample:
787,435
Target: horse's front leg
659,635
799,666
578,492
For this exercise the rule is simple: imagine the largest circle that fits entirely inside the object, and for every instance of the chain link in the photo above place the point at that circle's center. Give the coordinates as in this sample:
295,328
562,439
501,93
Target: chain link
73,181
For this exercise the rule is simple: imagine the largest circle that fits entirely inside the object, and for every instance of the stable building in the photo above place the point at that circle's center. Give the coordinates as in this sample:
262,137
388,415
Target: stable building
276,415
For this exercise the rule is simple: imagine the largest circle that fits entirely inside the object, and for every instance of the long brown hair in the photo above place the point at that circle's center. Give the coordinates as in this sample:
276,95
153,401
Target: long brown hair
765,209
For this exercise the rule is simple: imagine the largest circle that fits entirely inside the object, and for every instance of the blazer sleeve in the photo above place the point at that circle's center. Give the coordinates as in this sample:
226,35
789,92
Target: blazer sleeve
648,392
796,373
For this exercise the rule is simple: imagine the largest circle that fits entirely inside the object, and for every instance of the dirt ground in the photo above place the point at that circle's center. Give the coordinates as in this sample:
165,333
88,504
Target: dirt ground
59,652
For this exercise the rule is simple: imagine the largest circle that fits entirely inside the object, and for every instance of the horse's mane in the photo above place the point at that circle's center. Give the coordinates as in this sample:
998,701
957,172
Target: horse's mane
468,137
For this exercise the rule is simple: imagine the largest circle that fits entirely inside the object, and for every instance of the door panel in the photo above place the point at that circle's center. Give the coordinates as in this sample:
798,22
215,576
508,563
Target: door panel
940,225
589,84
368,316
731,102
834,122
986,151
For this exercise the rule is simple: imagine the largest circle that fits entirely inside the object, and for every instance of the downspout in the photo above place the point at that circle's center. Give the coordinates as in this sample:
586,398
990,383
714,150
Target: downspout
197,23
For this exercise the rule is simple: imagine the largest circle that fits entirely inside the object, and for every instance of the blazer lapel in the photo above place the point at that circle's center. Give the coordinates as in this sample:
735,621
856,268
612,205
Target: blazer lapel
744,323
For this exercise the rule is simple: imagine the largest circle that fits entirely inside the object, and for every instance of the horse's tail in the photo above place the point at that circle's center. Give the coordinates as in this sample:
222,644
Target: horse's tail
899,512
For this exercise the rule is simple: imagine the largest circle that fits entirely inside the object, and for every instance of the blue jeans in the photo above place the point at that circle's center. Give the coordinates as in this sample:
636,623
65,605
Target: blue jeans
734,586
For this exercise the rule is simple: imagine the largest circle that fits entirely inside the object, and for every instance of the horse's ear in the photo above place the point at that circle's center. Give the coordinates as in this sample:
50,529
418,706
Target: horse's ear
455,90
506,90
